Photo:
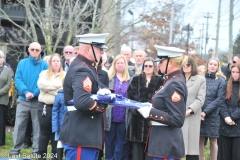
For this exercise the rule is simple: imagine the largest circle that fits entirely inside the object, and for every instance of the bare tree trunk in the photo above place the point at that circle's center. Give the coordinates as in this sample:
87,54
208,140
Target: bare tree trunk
30,19
47,28
117,28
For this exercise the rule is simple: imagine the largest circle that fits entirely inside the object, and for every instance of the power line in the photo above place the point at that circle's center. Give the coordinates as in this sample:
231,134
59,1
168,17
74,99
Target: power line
236,17
236,2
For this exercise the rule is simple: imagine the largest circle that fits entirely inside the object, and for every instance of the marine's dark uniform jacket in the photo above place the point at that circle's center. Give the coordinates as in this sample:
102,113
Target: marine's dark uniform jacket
84,126
169,108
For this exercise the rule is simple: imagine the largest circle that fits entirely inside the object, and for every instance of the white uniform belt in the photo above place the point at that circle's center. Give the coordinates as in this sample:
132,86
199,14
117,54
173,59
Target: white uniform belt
157,124
71,108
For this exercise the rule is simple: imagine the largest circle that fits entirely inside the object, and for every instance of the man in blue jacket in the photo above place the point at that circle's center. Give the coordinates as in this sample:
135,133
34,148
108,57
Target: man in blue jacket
26,78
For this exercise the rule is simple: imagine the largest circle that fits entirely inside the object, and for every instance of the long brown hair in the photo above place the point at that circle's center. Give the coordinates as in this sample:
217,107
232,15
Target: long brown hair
192,62
154,66
230,85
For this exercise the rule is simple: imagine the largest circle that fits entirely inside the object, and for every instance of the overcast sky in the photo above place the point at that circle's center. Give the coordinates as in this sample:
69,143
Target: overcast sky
194,12
195,16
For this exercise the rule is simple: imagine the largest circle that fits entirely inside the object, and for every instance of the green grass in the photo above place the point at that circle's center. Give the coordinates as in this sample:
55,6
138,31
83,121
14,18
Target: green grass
26,153
5,150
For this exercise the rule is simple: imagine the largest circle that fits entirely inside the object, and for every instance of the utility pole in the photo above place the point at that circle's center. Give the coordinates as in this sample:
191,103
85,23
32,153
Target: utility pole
218,26
199,42
230,29
207,17
202,40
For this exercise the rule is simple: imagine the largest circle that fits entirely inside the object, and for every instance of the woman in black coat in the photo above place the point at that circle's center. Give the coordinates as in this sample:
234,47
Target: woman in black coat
141,89
229,131
210,120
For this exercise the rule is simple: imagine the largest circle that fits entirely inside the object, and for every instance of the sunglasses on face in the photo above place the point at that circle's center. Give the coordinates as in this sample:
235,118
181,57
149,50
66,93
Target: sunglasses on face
148,66
37,50
68,52
187,65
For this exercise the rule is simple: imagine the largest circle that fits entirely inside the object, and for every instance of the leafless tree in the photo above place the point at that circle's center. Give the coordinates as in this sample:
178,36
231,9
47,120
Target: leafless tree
61,19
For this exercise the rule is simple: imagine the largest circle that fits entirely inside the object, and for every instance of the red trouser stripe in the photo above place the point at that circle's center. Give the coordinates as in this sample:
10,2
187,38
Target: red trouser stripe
79,150
165,159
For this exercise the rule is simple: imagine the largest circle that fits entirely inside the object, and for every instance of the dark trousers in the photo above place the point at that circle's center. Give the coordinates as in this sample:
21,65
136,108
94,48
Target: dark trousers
28,135
138,151
192,157
228,148
3,116
117,148
45,123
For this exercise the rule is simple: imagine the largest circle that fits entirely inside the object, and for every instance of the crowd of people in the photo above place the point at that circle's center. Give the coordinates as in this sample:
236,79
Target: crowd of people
186,104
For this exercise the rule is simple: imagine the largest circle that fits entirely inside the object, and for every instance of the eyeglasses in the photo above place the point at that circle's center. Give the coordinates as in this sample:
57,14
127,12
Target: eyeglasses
68,52
37,50
234,62
187,65
148,66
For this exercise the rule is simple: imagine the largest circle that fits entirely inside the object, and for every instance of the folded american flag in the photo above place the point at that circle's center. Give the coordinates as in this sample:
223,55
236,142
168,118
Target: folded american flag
116,100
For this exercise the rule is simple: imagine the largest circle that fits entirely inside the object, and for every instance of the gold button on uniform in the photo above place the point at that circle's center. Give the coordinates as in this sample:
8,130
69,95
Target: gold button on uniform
156,116
92,117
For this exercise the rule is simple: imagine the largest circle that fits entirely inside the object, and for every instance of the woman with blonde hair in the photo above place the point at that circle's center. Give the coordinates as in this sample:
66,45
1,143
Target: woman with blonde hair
168,110
49,82
210,120
117,147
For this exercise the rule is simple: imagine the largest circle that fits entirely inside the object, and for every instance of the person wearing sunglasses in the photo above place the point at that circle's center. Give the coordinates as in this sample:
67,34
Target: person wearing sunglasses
196,85
227,69
141,89
167,114
26,78
215,95
68,52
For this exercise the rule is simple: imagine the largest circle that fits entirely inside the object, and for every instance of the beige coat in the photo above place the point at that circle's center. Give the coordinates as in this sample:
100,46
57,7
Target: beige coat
196,86
48,87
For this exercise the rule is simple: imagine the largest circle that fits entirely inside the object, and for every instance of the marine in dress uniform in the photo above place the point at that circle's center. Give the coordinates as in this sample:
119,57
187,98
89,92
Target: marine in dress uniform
82,129
165,141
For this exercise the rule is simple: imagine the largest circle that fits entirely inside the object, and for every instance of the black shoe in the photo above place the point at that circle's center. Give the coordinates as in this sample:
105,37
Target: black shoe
59,153
25,146
14,154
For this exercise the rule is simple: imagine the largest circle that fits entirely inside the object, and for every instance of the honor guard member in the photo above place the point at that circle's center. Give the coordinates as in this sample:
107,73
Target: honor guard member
82,130
167,114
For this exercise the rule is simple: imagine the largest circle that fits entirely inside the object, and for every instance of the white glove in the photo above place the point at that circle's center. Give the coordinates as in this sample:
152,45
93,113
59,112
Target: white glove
103,91
144,111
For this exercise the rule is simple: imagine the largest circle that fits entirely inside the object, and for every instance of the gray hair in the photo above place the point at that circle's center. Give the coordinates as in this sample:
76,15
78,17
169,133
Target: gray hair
140,50
2,54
